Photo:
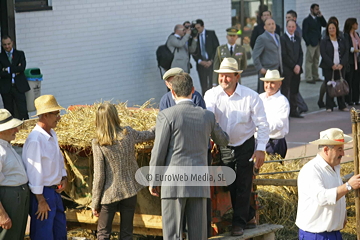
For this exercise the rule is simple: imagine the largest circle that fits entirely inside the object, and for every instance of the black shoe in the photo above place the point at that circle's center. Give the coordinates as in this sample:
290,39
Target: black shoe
237,231
296,115
321,104
357,103
350,103
302,111
318,80
311,81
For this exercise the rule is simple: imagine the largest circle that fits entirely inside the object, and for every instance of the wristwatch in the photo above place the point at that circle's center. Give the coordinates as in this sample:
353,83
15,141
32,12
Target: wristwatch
348,186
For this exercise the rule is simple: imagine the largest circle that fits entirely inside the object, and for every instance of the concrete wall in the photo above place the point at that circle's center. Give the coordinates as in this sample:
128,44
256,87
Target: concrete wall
90,50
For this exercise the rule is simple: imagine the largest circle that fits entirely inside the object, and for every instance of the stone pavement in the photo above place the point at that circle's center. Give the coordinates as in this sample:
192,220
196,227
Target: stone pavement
304,130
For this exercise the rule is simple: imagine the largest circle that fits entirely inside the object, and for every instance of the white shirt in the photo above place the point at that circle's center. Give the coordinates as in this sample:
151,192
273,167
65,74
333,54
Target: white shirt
277,111
229,46
336,52
289,35
43,160
318,210
239,114
12,170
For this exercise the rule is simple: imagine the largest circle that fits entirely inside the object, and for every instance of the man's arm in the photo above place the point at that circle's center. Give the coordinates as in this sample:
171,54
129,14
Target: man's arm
259,48
254,36
243,60
354,182
216,66
305,29
215,44
5,221
21,65
277,119
174,42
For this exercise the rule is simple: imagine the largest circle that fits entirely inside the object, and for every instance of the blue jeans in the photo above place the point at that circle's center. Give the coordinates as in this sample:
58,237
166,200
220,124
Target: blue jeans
334,235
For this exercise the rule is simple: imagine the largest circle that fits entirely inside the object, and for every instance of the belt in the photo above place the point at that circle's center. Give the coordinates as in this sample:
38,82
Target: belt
22,186
52,186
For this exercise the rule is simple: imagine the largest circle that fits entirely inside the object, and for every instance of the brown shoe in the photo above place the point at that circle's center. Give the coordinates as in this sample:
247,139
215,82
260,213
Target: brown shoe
251,224
237,231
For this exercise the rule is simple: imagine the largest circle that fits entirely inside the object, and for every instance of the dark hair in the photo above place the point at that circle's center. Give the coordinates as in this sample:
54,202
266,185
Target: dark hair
185,23
199,21
334,19
6,37
348,24
266,11
291,20
292,13
314,5
182,84
336,27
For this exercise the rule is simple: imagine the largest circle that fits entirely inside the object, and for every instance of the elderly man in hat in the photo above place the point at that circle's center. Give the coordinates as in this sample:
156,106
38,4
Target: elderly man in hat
277,111
321,212
168,100
44,164
240,112
229,50
14,191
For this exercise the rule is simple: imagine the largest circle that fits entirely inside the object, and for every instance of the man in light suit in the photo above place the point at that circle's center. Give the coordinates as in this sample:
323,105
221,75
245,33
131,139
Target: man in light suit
13,83
204,57
267,52
178,44
292,58
231,49
182,136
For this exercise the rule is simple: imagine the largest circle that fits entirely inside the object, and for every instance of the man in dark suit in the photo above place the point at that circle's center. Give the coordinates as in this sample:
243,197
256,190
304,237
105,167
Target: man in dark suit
13,83
312,35
204,57
259,29
182,136
292,58
267,52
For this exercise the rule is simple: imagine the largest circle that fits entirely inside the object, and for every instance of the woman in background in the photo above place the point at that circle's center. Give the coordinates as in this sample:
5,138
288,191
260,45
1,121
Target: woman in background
334,54
114,184
353,72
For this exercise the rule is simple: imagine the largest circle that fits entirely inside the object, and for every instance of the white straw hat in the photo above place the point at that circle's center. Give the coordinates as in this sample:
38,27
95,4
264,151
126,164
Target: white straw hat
45,104
332,136
7,121
272,76
229,65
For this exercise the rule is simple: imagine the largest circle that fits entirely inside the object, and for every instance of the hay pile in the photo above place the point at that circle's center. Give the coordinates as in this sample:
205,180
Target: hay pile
279,203
77,126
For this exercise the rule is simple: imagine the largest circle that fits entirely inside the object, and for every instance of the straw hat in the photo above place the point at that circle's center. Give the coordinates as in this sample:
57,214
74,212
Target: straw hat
272,76
229,65
332,136
7,121
172,72
45,104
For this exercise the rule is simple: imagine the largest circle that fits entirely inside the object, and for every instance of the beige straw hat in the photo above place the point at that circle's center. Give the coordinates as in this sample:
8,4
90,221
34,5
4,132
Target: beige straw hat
7,121
272,76
332,136
229,65
45,104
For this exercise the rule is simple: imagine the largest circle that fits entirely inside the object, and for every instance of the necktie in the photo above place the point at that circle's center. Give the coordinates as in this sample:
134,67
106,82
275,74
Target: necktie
9,56
231,50
202,47
292,38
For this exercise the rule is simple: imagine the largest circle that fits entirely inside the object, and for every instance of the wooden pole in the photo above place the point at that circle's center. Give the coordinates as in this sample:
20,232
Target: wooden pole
355,127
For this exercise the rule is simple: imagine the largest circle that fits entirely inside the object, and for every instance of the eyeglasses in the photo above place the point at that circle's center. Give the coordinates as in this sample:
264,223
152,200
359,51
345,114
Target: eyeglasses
57,114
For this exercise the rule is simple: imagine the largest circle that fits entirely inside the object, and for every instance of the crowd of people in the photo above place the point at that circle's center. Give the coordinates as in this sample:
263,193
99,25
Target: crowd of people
242,124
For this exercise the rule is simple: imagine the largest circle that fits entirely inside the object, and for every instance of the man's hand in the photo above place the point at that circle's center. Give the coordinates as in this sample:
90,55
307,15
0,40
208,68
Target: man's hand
188,31
354,181
155,191
95,212
43,208
339,66
62,185
334,67
297,69
5,221
263,71
259,157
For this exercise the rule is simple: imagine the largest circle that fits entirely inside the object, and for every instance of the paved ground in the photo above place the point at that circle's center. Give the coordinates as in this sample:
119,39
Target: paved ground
307,129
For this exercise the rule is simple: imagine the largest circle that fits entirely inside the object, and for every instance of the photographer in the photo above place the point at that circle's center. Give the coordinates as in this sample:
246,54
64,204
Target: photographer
204,57
178,44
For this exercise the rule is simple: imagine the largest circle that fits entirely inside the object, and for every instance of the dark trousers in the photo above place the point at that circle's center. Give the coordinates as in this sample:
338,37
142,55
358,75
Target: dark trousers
278,146
334,235
237,158
15,201
126,207
260,86
14,96
329,100
290,89
352,77
205,77
54,227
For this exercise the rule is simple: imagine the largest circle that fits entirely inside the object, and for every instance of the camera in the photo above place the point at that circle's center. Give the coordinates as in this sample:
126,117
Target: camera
194,31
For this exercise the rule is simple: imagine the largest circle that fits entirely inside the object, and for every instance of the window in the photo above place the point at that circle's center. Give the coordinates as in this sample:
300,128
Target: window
32,5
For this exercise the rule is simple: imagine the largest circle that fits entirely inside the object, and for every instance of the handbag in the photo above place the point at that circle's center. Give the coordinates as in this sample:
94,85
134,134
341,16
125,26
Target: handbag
337,88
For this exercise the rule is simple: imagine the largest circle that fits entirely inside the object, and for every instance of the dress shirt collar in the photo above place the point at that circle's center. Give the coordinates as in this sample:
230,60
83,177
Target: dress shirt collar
287,33
4,143
228,45
204,33
271,34
323,164
314,17
11,51
219,90
177,35
276,95
43,132
183,100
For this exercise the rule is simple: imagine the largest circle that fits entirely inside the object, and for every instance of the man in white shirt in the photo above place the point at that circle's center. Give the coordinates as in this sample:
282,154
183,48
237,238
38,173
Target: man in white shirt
277,110
44,164
14,190
239,112
321,212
